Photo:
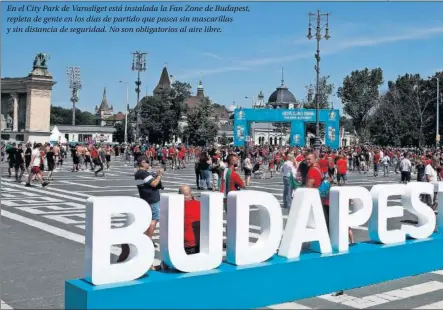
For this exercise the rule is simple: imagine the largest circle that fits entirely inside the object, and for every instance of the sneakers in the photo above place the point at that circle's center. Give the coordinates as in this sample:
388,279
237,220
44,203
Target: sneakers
44,184
28,184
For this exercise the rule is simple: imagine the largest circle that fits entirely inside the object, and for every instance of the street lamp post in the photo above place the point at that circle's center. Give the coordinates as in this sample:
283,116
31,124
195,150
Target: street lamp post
75,85
322,22
139,65
126,111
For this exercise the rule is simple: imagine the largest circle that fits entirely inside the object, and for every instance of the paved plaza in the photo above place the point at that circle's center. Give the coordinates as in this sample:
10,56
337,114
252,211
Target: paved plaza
43,240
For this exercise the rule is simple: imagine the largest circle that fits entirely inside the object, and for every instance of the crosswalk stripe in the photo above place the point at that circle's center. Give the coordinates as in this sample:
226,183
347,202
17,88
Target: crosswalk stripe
382,298
435,305
5,305
288,305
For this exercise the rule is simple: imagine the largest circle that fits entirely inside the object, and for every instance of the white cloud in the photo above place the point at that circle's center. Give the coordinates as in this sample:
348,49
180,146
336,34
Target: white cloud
338,45
212,55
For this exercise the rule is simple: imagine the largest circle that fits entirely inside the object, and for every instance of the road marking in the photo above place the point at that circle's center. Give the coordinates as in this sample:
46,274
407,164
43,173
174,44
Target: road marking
79,184
379,299
48,192
57,231
288,305
435,305
69,192
5,305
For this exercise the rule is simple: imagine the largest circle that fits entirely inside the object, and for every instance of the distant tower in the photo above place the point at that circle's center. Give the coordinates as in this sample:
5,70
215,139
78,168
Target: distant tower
164,83
103,112
260,103
200,90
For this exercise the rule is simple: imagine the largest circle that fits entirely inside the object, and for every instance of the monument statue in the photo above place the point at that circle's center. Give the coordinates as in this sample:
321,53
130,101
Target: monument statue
2,122
40,61
9,122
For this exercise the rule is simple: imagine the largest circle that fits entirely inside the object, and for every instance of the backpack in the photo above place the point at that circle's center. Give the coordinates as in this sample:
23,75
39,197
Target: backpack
325,186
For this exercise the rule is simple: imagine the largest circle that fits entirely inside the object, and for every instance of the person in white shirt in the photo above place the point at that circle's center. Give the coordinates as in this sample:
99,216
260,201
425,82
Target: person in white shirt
385,161
36,160
288,168
405,169
431,176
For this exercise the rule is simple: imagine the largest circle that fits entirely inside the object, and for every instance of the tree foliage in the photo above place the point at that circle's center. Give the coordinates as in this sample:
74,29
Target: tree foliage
119,134
359,93
325,90
160,115
63,116
224,139
201,129
406,113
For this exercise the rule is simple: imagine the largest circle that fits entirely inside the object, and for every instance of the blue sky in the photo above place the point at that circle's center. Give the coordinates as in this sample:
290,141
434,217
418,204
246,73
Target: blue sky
245,58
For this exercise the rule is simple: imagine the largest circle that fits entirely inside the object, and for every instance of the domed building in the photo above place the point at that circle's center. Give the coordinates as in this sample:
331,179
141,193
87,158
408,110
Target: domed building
270,133
282,98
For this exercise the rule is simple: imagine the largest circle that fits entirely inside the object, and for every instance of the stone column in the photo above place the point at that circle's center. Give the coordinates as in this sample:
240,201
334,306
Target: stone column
14,97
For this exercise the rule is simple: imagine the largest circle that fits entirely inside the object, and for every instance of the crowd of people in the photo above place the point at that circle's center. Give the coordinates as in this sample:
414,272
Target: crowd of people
226,169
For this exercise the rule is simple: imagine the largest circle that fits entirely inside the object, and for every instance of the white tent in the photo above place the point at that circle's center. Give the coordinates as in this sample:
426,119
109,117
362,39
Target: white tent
56,136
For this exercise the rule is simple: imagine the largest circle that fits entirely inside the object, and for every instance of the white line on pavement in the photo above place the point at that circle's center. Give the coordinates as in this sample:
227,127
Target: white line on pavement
5,305
382,298
79,184
43,191
56,231
435,305
288,305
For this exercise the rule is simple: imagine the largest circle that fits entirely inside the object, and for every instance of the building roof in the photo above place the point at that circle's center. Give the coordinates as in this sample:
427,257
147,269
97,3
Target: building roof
116,117
104,105
221,112
89,129
281,97
164,83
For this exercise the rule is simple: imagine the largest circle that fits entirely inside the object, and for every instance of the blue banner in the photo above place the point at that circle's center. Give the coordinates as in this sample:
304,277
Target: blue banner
297,117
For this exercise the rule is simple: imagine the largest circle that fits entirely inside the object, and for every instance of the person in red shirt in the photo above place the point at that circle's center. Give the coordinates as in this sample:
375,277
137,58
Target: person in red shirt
342,170
376,162
191,221
323,164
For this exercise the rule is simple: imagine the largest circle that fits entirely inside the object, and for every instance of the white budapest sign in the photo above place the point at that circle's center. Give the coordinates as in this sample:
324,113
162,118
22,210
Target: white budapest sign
306,223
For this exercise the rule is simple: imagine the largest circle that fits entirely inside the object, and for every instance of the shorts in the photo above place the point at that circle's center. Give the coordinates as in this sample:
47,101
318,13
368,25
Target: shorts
108,158
155,208
36,170
11,164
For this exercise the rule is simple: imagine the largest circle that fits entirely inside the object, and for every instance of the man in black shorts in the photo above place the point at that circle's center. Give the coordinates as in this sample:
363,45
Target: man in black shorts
19,163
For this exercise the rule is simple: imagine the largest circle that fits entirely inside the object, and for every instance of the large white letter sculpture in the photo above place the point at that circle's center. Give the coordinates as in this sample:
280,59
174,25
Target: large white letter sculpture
306,223
239,251
172,233
100,237
425,215
378,223
439,190
339,217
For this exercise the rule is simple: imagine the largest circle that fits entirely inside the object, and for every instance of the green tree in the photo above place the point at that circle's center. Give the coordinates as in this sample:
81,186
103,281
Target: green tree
63,116
224,139
201,129
359,93
406,113
161,114
326,90
154,116
119,134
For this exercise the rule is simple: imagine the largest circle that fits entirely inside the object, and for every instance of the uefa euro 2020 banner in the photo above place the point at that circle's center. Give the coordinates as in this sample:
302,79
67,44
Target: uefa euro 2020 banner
276,256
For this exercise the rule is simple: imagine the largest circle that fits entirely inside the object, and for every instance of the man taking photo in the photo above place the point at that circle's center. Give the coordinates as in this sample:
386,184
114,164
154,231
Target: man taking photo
149,185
